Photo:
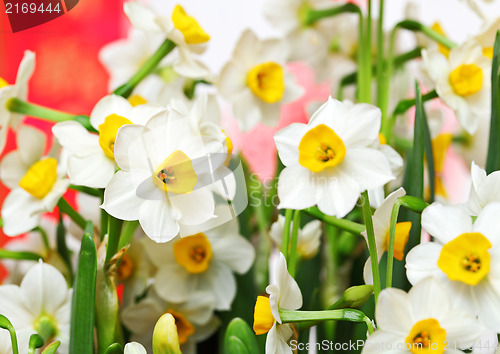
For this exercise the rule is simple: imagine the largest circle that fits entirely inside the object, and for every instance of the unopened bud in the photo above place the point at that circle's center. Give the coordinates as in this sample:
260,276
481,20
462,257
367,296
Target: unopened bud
165,337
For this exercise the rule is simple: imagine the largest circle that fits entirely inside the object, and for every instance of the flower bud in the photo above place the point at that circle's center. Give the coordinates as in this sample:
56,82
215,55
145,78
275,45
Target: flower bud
165,337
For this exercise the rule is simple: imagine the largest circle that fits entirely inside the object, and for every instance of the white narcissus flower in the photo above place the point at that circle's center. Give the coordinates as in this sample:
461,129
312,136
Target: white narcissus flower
285,294
462,81
18,90
309,236
485,189
464,257
37,182
194,318
422,320
165,176
256,81
180,28
332,159
204,261
90,157
381,226
41,304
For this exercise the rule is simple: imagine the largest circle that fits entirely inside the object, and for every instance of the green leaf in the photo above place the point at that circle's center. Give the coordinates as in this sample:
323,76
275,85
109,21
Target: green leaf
35,342
51,348
493,159
5,324
62,248
114,348
19,255
82,309
240,338
429,154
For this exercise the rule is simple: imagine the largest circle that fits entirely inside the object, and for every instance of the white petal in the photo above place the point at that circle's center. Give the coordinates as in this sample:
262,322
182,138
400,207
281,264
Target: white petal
421,262
141,317
488,297
31,144
14,309
158,221
295,188
108,105
44,289
246,109
120,197
289,296
130,152
234,251
20,212
73,136
429,300
194,208
221,282
12,169
141,16
488,223
277,340
338,194
385,341
462,329
435,63
287,142
232,80
199,307
134,348
94,170
173,283
445,222
393,312
188,66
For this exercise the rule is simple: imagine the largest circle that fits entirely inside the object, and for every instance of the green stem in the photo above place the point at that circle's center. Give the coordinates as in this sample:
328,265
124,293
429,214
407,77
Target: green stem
286,233
292,256
147,68
370,233
19,106
114,228
72,213
382,90
343,224
351,315
311,16
128,230
19,255
6,324
87,190
365,85
45,237
429,32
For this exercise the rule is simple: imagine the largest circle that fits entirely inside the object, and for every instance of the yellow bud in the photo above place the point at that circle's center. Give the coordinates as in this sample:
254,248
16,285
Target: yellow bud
165,338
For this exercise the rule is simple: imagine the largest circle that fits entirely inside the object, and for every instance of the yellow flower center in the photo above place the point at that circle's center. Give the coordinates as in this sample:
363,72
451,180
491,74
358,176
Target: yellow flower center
193,253
184,328
3,83
426,336
136,100
488,52
267,81
176,174
40,178
466,79
442,49
108,131
402,234
320,148
263,319
125,268
189,27
466,258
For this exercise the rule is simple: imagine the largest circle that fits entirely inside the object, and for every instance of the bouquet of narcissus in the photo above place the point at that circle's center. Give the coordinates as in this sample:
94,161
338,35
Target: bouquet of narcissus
288,224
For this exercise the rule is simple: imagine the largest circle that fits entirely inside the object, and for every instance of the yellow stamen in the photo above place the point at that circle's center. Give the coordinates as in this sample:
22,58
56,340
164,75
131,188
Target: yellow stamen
488,52
176,174
402,234
136,100
189,27
267,82
442,49
466,79
263,319
320,148
3,83
126,268
193,253
426,336
108,131
40,178
466,258
184,328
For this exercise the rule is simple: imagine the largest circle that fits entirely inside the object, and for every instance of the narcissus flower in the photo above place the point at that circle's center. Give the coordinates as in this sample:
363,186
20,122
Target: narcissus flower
194,319
381,226
165,177
90,157
256,81
41,304
204,261
285,294
332,159
464,257
421,321
485,189
180,28
37,182
309,236
462,81
17,90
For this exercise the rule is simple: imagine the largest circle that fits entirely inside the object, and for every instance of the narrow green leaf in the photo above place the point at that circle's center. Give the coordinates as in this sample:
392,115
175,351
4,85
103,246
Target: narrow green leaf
19,255
5,324
246,340
35,342
82,313
114,348
51,348
62,248
413,203
493,159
